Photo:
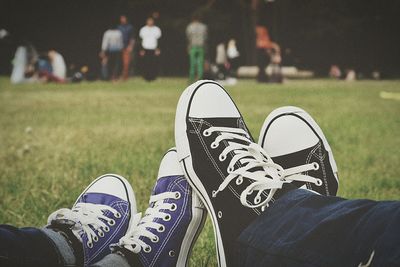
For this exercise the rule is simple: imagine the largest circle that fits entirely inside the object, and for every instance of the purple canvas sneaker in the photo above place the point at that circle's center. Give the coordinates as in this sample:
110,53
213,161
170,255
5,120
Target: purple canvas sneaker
100,216
166,233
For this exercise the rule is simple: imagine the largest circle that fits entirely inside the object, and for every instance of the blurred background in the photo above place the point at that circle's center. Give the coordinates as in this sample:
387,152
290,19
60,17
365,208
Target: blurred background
312,34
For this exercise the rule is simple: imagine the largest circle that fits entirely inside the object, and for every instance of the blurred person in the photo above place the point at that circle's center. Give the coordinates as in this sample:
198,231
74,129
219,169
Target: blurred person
59,69
335,72
276,59
111,53
221,61
196,33
233,57
263,44
150,51
128,40
25,64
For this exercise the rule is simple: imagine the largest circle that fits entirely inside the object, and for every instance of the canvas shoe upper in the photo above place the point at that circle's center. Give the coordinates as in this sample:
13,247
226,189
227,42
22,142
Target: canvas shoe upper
292,137
164,236
100,216
233,176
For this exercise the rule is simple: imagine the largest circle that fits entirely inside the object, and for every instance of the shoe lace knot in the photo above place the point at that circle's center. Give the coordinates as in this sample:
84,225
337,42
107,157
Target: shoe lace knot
250,161
86,218
134,239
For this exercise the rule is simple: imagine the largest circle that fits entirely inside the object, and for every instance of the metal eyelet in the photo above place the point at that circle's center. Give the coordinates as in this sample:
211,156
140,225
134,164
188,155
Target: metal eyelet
239,180
167,218
177,195
161,229
89,244
155,239
315,165
106,229
206,132
147,249
222,157
230,169
95,239
173,207
111,222
118,215
100,233
257,199
319,182
214,145
171,253
220,214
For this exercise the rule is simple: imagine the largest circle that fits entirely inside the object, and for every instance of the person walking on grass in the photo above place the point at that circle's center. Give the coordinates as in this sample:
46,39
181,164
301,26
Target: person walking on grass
150,34
196,33
110,55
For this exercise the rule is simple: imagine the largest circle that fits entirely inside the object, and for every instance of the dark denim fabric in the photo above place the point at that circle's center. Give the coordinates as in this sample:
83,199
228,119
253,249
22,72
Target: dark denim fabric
27,247
305,229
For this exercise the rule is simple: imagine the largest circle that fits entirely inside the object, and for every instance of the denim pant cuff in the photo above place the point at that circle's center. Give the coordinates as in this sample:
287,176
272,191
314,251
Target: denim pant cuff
112,260
62,245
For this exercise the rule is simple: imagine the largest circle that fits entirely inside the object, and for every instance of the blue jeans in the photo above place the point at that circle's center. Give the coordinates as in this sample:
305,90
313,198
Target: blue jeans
299,229
305,229
27,247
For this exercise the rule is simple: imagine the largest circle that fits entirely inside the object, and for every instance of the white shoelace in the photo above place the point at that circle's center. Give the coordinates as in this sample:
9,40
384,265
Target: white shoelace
87,217
269,177
131,240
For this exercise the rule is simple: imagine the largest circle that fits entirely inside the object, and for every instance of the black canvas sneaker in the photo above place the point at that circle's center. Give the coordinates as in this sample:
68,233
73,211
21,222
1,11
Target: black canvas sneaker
292,137
232,175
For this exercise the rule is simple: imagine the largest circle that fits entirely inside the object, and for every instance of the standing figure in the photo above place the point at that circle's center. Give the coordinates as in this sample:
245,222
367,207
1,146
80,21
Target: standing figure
128,40
263,43
111,50
150,50
233,57
196,33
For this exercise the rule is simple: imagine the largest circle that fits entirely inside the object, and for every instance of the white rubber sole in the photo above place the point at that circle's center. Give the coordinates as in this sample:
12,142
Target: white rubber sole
185,158
311,122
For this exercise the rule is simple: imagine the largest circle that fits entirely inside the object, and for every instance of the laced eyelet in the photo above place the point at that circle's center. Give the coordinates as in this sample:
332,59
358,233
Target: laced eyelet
111,222
95,239
106,229
230,169
177,195
147,249
171,253
257,199
89,244
155,239
206,132
161,229
173,207
315,165
167,218
117,215
214,193
214,145
222,157
100,233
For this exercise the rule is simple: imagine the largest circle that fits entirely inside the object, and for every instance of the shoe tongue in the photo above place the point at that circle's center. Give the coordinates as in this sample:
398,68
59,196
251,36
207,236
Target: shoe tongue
162,185
97,198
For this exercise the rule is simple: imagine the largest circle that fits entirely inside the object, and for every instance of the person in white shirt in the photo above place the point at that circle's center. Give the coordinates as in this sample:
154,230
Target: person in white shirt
59,69
111,52
150,50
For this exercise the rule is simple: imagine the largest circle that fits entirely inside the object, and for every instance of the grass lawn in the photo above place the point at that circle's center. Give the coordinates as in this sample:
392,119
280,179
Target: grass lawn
54,139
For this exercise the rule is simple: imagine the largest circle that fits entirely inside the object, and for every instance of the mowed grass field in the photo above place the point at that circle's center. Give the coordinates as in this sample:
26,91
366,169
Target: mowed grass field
54,139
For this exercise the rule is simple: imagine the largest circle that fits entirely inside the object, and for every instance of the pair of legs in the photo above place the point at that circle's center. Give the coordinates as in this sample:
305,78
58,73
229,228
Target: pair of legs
150,65
271,203
112,66
196,57
126,61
